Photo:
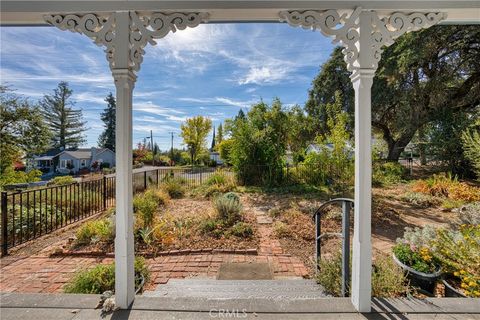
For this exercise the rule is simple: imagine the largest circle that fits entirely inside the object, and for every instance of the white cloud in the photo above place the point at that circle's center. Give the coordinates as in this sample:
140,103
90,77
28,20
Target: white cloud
263,75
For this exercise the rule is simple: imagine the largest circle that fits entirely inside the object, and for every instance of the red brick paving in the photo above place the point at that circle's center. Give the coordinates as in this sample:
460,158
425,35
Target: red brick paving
44,274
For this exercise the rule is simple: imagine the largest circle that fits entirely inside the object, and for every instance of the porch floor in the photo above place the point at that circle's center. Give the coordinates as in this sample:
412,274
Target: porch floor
68,306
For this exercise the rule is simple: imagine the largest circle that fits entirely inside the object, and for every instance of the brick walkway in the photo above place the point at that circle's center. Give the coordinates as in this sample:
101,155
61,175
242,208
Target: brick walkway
43,274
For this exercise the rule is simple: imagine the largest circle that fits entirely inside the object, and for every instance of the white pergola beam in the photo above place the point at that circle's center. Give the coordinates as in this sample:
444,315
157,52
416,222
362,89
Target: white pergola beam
30,12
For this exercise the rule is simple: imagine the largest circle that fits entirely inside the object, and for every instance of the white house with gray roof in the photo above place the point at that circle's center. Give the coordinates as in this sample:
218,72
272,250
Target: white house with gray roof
66,161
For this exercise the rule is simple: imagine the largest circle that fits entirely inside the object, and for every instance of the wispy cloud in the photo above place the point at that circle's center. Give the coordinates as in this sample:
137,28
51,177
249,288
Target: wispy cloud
211,70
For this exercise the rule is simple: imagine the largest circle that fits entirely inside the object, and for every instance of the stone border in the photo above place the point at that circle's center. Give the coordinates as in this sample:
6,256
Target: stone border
69,253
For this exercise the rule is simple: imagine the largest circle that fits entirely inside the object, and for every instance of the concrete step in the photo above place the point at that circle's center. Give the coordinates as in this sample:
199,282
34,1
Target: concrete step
239,289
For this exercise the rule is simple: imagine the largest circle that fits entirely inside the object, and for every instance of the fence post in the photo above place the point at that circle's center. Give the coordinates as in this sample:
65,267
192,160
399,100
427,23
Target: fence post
4,224
158,176
144,180
104,193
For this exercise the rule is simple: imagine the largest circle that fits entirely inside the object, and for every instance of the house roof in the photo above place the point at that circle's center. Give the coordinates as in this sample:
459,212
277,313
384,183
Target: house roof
84,153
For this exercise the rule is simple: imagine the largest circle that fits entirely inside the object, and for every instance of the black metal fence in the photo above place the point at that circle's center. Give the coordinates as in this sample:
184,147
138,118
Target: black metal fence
29,214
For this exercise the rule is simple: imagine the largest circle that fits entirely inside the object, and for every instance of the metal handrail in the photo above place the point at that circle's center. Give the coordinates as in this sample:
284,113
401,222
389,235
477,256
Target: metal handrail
347,204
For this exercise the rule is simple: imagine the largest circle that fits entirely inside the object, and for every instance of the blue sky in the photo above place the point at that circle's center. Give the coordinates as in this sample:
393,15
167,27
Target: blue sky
212,70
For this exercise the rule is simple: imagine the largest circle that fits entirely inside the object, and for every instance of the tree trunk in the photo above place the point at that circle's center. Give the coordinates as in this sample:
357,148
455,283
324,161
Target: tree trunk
396,147
422,147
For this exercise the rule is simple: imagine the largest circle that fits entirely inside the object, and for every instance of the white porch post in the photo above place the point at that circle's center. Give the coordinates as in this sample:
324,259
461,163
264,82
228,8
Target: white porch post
363,34
362,247
124,245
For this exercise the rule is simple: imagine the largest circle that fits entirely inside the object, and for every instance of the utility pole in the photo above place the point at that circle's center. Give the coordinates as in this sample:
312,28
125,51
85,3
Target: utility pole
171,149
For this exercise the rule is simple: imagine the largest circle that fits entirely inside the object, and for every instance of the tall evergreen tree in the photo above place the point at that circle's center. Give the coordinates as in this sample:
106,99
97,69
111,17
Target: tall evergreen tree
64,121
107,137
219,134
213,140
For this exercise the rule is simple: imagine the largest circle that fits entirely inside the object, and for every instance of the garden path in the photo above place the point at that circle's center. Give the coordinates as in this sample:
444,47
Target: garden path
42,273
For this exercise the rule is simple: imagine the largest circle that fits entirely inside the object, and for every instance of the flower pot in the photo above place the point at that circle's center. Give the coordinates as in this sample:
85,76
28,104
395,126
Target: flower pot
450,291
425,281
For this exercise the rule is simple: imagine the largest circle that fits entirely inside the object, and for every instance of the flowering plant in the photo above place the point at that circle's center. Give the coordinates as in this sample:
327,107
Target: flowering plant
414,249
459,254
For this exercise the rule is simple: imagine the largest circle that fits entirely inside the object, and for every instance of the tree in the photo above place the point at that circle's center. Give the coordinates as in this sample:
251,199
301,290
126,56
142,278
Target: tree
420,76
471,146
194,134
107,137
259,143
22,129
333,77
424,74
219,134
64,121
213,141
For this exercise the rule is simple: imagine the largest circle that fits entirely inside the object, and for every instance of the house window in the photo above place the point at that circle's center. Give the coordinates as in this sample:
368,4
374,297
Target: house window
64,163
83,162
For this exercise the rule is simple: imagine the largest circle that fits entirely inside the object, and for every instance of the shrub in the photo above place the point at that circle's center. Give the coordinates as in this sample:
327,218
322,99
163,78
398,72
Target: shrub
158,195
214,227
242,230
420,199
470,214
145,206
101,278
459,254
448,187
449,204
95,231
280,229
387,173
329,275
62,180
414,249
388,280
174,187
219,182
228,208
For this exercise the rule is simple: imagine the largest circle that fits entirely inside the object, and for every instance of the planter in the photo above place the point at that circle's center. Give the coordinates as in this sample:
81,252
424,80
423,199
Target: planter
425,281
450,291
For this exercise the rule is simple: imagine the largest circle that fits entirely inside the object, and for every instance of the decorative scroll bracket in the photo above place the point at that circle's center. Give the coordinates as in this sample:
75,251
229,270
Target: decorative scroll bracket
105,30
362,34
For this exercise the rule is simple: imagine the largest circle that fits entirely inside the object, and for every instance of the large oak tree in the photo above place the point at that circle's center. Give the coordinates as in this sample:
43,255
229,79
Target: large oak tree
419,77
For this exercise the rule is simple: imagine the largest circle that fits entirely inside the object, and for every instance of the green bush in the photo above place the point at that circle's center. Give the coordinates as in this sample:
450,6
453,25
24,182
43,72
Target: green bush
101,278
388,173
329,275
228,208
470,214
95,231
420,199
242,230
218,183
145,206
280,229
174,187
158,195
62,180
388,279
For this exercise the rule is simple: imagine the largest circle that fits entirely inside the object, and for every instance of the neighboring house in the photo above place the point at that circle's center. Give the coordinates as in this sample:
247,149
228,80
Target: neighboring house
215,156
316,148
66,161
46,162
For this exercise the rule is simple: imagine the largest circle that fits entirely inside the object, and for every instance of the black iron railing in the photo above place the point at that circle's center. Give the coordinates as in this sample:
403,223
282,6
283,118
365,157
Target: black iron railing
347,205
32,213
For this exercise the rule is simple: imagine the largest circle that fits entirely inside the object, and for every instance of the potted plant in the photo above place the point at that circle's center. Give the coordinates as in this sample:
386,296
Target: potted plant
413,254
459,254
